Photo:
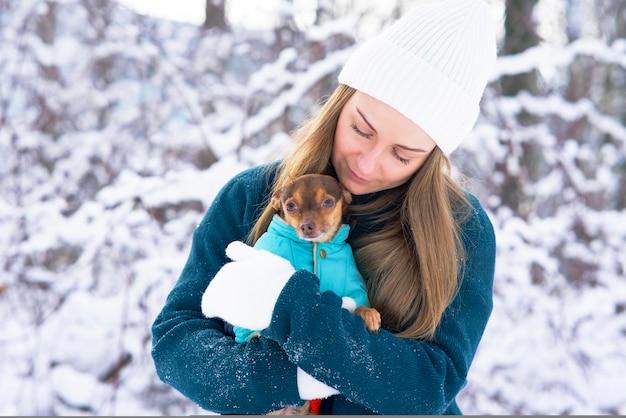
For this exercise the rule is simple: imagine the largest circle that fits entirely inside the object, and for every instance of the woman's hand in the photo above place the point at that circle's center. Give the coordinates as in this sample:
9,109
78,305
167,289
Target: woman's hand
244,291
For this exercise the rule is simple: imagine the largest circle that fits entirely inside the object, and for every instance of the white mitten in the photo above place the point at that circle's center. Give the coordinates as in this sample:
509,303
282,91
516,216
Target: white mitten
244,291
348,303
311,388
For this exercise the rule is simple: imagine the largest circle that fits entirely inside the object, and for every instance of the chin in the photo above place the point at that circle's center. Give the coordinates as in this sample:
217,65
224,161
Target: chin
359,190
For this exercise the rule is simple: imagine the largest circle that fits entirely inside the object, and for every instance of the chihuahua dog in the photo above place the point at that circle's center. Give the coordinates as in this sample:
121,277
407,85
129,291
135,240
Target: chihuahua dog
314,206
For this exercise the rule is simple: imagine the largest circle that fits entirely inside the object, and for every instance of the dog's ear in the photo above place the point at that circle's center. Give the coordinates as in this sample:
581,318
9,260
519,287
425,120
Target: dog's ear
347,195
275,202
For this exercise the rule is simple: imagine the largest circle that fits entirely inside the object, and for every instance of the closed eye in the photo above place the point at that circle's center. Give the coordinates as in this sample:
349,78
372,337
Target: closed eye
360,132
394,151
403,160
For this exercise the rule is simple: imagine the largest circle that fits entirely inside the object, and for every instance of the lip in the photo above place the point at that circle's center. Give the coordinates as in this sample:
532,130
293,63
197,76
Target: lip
356,178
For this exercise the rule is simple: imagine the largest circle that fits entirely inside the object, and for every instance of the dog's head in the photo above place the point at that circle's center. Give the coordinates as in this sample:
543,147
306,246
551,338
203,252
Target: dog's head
314,205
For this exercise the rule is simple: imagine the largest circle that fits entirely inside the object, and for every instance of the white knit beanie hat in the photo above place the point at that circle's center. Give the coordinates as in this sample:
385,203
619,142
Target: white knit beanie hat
432,65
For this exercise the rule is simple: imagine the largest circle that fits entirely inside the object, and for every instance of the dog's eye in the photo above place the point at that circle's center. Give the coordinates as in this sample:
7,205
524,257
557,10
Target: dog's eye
291,207
328,203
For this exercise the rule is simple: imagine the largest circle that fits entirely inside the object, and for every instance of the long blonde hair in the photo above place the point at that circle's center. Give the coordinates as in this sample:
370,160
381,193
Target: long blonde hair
411,261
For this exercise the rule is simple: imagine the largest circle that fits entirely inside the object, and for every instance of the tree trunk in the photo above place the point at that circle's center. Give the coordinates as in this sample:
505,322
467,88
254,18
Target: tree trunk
520,33
47,120
215,15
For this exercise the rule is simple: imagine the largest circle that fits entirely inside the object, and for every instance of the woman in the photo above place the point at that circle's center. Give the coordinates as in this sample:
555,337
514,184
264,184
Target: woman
425,247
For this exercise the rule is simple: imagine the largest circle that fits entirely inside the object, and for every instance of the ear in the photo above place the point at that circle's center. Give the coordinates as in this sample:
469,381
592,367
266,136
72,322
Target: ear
275,202
347,196
347,199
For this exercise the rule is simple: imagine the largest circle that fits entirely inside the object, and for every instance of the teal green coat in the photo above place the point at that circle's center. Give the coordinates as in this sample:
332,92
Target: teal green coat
332,262
375,373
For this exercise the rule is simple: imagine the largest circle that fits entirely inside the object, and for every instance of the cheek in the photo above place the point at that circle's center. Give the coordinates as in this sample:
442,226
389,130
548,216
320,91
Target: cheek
400,176
338,145
404,178
342,146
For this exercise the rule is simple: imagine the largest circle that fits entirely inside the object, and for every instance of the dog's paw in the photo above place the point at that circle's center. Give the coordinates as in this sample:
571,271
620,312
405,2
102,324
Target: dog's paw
371,317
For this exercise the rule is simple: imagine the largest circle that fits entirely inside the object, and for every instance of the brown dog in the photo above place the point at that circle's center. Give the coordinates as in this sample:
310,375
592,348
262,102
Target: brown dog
315,206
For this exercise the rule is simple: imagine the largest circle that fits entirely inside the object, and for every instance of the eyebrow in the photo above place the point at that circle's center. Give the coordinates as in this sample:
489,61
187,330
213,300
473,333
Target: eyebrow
404,147
366,121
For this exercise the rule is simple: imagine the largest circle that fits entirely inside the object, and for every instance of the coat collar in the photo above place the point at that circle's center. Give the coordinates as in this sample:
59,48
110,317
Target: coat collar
279,226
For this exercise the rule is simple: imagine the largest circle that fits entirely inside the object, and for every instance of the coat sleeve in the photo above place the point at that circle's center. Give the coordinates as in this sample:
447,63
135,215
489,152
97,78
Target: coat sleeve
193,354
382,372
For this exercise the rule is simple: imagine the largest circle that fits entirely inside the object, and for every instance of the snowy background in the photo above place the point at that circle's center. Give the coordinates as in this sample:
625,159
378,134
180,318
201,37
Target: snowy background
117,130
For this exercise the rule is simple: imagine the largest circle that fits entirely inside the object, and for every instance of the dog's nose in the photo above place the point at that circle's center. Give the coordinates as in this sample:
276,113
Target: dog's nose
307,228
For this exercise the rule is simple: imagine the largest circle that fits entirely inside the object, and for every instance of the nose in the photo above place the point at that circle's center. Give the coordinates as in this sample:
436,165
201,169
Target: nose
307,228
368,160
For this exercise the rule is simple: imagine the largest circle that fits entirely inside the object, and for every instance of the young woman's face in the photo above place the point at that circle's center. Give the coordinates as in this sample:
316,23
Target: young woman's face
376,147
